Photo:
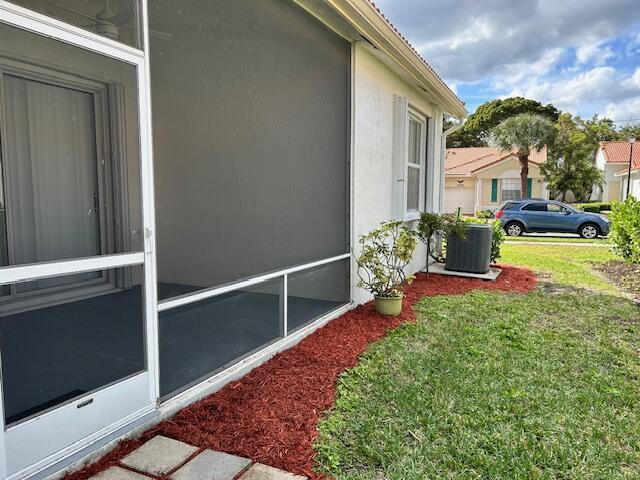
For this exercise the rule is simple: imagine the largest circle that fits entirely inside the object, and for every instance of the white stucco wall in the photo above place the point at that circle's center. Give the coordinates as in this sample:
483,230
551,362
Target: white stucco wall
374,88
610,171
612,187
635,185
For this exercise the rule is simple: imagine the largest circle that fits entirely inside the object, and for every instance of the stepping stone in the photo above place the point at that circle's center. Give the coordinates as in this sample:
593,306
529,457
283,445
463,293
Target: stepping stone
159,456
265,472
117,473
211,465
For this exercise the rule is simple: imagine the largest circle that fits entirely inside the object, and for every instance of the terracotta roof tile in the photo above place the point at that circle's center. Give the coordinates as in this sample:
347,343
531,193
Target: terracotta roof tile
466,161
618,152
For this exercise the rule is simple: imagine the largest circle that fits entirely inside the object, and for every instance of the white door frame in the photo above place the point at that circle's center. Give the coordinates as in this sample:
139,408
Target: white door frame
46,26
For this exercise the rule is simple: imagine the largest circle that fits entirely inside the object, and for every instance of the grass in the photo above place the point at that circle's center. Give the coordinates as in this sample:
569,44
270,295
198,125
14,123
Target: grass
494,386
566,265
597,241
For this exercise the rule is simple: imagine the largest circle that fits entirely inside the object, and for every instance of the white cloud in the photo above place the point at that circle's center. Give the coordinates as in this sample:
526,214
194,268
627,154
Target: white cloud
517,73
574,53
624,110
634,81
467,40
593,53
599,82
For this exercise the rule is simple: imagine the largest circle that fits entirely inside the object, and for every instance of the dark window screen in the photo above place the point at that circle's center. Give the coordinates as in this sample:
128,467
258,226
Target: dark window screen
251,106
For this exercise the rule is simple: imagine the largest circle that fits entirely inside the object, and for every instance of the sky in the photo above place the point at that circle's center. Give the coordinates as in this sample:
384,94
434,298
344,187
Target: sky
583,56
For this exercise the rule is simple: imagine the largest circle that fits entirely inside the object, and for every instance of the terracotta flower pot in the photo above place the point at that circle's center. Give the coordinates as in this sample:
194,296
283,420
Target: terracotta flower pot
388,305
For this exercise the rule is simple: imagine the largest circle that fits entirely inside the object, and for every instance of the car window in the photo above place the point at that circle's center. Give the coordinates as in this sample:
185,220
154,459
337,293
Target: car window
509,206
535,207
552,207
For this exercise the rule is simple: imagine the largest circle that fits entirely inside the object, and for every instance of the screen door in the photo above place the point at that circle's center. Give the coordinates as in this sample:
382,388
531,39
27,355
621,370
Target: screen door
73,315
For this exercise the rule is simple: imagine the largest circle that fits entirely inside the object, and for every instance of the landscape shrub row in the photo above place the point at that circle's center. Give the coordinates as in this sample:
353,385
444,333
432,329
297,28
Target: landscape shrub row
595,207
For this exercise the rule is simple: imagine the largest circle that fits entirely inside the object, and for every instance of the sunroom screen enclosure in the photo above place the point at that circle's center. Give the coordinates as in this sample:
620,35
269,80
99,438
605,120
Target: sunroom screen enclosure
251,108
131,270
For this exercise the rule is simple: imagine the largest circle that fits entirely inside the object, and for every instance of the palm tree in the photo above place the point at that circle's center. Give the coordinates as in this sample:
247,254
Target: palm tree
522,134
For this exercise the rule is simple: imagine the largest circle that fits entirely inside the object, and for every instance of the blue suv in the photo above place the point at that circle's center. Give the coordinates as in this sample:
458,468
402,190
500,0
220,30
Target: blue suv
534,215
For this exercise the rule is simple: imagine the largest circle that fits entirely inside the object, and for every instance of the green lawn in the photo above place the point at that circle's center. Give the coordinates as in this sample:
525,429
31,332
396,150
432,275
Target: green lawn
494,386
597,241
567,265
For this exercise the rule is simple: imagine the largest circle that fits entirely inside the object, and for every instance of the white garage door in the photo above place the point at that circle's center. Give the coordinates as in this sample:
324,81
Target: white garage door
462,197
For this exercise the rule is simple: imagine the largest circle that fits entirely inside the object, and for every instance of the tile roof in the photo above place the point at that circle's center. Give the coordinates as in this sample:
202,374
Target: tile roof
466,161
618,152
403,38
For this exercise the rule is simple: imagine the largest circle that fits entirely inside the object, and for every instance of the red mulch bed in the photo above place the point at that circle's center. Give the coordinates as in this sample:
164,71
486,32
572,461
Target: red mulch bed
271,414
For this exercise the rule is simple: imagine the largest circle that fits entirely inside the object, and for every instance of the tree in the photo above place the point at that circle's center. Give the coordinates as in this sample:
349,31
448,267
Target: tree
571,161
628,131
521,134
476,130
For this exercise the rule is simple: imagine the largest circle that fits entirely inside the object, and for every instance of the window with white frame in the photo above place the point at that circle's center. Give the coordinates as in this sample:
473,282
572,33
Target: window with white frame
510,189
410,159
416,156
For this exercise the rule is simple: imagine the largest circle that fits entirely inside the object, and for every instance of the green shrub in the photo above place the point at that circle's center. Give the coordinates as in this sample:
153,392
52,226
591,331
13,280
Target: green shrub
625,229
590,207
485,214
595,207
497,237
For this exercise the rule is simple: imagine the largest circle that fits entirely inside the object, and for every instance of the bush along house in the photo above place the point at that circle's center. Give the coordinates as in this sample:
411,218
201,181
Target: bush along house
182,187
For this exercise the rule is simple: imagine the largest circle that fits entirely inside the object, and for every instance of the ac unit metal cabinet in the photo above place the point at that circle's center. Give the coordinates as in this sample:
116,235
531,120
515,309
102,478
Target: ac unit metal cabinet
472,253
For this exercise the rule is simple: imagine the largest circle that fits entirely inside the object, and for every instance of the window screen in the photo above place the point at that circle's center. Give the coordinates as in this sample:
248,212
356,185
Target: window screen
251,105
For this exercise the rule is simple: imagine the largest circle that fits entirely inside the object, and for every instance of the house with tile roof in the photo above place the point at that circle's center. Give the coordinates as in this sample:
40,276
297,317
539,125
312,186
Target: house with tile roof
478,178
612,158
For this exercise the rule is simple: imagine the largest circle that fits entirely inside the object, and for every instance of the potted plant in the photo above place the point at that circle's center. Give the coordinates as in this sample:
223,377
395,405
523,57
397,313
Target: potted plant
384,254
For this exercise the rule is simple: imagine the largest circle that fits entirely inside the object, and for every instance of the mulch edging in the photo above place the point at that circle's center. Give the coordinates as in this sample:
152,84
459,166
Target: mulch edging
271,414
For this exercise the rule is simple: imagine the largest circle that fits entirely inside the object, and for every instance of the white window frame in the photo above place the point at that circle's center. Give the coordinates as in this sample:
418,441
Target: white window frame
416,116
403,113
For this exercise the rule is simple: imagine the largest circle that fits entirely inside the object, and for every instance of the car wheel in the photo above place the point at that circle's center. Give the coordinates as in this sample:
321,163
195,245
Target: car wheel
589,230
514,229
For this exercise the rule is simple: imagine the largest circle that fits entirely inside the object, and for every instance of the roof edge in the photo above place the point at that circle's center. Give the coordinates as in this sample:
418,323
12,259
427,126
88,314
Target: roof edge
369,21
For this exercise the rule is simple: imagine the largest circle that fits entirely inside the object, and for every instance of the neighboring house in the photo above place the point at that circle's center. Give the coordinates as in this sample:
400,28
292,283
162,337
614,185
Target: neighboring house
612,159
478,178
184,188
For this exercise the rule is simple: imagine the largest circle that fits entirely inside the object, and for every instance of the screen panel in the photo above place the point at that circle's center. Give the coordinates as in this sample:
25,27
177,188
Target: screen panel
203,337
313,293
251,106
115,19
70,179
71,341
